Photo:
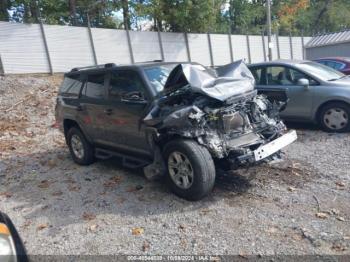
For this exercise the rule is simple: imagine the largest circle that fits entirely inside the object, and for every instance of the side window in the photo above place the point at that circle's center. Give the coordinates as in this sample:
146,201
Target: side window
295,75
94,86
124,84
71,85
284,76
330,64
338,66
278,75
257,73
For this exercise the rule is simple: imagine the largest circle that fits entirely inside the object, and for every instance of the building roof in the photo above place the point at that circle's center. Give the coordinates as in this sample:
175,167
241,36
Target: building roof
329,39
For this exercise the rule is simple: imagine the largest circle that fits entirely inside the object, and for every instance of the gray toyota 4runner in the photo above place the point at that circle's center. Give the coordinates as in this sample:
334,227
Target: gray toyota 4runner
181,121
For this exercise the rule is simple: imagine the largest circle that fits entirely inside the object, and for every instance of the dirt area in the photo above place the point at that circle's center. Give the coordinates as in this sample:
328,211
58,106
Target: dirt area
298,206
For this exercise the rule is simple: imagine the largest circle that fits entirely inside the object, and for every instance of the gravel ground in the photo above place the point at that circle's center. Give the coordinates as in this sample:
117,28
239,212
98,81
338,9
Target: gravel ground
298,206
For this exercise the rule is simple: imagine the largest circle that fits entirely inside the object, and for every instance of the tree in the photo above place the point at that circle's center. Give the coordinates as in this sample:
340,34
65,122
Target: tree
4,6
72,11
287,12
181,15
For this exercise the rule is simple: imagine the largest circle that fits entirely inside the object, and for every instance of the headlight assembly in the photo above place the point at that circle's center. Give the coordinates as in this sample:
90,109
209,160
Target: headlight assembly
7,246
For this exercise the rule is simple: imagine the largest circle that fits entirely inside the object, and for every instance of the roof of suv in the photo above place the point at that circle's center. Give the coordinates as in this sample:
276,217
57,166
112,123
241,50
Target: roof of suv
103,67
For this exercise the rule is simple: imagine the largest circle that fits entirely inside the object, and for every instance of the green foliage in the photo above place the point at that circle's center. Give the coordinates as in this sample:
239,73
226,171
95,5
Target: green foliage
181,15
239,16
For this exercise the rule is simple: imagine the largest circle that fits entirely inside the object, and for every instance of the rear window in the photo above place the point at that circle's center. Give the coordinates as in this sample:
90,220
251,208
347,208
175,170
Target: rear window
94,86
71,85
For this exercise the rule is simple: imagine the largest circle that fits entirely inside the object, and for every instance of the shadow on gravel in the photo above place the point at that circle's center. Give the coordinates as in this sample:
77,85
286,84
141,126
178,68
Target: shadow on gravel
50,185
232,182
302,126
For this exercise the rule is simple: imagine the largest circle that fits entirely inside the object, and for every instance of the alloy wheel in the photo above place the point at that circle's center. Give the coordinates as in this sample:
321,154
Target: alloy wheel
77,146
180,170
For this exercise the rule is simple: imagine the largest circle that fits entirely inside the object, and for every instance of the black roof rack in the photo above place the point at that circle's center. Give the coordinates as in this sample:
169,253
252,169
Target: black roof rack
108,65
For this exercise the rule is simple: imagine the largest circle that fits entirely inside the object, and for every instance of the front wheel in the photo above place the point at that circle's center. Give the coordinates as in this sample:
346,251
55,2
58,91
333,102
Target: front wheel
190,169
334,117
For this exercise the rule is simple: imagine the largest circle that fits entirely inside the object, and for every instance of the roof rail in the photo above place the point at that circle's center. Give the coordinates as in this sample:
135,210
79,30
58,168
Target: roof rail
108,65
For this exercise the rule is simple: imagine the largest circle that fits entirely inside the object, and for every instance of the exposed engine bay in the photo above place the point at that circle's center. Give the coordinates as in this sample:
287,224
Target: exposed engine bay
220,109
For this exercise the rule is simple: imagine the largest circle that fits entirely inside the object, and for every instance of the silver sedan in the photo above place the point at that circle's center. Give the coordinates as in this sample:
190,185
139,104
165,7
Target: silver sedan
315,93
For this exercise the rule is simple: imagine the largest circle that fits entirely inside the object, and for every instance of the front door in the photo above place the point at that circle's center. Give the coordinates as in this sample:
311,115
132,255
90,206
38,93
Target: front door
125,109
282,78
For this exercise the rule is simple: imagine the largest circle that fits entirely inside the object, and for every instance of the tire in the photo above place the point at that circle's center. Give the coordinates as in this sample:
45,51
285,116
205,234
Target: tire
335,117
201,182
87,150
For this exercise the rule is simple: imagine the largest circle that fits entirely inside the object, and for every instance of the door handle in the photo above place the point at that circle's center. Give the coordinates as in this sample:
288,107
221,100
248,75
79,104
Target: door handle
108,111
79,108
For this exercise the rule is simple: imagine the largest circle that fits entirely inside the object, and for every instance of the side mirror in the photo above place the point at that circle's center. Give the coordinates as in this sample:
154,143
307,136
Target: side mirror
134,97
304,82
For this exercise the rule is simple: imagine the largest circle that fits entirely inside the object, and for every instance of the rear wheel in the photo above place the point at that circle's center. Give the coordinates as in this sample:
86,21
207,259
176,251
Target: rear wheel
190,169
334,117
81,150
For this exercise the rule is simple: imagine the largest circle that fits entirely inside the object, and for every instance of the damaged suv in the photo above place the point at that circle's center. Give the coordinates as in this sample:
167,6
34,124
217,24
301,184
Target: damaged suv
173,120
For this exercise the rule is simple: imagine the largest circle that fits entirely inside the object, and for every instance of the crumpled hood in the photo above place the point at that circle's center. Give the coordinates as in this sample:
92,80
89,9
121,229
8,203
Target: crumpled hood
225,82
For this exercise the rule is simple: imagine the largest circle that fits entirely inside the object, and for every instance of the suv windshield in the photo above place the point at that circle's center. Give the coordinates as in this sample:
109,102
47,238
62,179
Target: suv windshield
321,71
157,75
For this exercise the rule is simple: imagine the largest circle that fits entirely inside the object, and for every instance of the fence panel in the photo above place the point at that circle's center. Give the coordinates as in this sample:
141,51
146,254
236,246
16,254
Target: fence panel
69,47
256,47
239,47
174,46
297,48
221,49
111,46
284,47
199,48
22,49
145,46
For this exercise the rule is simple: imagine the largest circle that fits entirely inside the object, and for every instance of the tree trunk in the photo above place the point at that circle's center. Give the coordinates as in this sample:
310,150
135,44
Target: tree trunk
125,6
73,11
34,11
4,16
321,13
27,15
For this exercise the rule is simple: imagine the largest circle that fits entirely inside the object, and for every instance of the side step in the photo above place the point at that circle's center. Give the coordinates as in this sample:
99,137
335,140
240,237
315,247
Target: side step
127,161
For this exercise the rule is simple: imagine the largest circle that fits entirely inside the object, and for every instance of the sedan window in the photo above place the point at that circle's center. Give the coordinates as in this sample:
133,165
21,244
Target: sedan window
285,76
258,75
278,75
338,66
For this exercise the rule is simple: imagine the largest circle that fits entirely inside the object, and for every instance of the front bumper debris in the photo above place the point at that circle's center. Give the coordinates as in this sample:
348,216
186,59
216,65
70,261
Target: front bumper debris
274,146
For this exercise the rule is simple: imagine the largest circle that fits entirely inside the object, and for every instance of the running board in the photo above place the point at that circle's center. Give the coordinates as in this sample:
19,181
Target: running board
127,161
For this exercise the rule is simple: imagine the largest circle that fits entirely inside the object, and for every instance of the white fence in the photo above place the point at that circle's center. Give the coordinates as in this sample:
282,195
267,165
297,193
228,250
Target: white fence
35,48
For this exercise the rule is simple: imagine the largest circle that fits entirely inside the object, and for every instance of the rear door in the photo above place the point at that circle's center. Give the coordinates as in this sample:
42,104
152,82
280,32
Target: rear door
125,108
92,106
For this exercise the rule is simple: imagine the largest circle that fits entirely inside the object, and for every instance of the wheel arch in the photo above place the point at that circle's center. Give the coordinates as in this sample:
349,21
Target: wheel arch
319,108
68,123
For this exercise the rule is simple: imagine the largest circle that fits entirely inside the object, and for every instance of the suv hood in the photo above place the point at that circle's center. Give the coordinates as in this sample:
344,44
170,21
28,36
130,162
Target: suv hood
224,82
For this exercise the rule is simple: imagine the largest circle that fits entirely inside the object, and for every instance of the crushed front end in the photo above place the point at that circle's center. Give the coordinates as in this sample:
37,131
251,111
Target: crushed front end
222,111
